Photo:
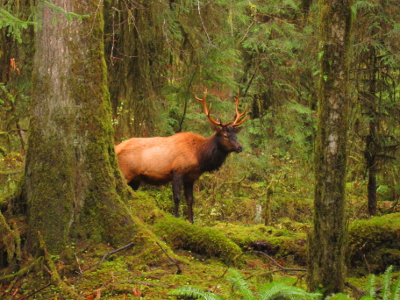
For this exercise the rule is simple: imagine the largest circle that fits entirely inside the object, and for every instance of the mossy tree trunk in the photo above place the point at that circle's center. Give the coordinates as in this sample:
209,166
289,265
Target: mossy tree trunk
328,238
72,186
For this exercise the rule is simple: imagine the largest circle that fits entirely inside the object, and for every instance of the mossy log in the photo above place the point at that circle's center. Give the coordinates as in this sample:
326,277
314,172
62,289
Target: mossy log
374,243
206,241
229,241
280,243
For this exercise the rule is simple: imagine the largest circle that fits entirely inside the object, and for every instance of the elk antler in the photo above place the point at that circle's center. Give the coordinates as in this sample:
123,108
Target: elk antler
208,111
238,115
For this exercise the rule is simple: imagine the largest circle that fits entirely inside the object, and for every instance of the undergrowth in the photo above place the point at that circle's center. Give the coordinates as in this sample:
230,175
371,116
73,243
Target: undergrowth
284,289
240,289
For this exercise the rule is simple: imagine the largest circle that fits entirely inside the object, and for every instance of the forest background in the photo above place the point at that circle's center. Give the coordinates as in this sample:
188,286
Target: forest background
158,54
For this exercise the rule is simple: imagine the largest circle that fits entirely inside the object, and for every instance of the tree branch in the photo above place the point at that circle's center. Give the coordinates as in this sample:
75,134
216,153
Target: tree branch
115,251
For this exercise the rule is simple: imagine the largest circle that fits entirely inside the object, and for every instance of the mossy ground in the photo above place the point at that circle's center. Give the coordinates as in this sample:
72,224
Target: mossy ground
139,272
125,275
145,271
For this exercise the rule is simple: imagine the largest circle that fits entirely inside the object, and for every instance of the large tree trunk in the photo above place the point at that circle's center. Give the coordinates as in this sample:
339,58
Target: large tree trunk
328,237
72,187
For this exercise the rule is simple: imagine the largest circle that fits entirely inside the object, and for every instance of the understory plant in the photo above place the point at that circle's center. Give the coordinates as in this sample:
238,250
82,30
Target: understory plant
387,290
279,290
241,290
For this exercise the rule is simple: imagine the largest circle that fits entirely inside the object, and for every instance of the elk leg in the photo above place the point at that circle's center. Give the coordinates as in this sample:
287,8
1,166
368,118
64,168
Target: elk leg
188,186
176,190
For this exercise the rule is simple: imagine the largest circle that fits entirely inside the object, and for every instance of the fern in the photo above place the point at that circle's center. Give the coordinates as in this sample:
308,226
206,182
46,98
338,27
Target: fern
388,293
194,293
283,291
396,290
386,283
241,285
272,291
371,289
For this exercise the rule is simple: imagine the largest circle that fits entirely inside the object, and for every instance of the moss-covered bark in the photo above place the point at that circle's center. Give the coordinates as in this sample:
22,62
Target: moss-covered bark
328,238
9,241
72,182
206,241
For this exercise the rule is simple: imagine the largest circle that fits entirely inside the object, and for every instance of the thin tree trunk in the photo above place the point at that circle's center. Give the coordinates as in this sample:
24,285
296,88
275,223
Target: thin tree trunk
327,240
371,151
371,164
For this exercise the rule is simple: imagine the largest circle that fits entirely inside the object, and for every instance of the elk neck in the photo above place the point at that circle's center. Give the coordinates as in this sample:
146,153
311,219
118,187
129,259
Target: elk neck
210,155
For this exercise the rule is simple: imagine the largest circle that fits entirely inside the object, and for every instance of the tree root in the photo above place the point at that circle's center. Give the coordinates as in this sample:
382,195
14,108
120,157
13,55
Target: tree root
10,239
45,260
55,277
12,279
179,271
115,251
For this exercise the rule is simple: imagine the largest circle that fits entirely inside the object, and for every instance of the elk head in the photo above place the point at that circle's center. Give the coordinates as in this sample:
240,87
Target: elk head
226,133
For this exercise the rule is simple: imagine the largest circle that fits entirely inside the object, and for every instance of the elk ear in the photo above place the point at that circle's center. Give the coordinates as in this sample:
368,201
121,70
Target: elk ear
238,129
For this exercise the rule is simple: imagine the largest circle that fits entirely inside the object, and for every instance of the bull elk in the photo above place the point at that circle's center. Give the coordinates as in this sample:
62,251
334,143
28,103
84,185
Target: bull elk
180,158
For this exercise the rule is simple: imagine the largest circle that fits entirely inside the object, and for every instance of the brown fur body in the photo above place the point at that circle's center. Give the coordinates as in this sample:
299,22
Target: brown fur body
180,158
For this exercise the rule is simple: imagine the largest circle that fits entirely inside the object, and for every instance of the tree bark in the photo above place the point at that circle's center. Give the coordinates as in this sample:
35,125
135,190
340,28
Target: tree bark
371,144
72,187
327,240
372,167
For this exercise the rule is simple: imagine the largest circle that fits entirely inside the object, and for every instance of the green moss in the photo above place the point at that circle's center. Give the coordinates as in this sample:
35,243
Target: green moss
206,241
277,242
243,236
375,242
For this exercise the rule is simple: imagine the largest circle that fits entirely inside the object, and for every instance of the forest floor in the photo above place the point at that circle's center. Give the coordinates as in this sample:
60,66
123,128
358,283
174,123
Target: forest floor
102,272
267,253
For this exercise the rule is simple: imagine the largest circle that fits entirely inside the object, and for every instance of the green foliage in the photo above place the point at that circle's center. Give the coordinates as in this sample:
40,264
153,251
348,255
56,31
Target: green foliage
274,290
69,15
281,289
376,64
15,25
194,293
389,290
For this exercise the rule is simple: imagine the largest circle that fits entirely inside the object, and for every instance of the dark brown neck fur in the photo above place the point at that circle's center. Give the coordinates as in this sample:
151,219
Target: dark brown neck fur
210,155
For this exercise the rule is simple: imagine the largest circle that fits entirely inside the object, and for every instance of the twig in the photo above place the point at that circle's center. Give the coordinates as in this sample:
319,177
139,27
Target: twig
202,22
279,265
79,265
37,291
357,290
176,264
223,274
115,251
366,261
220,278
